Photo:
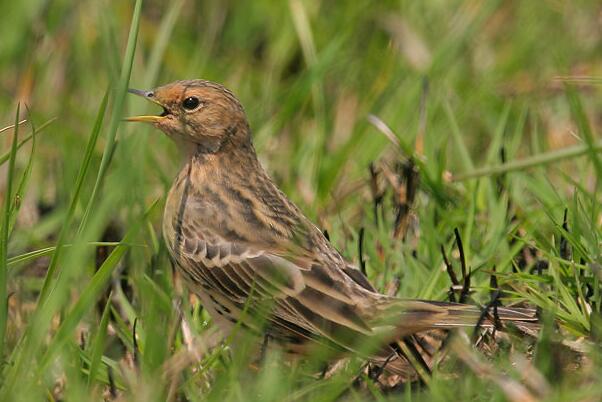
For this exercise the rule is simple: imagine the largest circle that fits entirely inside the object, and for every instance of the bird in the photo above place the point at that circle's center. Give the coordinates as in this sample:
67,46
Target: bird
257,262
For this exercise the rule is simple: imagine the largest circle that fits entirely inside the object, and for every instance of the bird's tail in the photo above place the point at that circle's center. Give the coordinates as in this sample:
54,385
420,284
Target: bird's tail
420,329
413,316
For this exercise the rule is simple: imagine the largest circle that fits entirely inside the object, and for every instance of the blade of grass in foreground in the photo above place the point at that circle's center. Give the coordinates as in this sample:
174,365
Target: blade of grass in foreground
76,195
32,255
8,201
99,342
92,290
24,179
42,317
122,86
39,322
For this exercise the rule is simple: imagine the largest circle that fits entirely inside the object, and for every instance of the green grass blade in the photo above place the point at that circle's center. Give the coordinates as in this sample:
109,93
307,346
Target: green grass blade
32,255
119,100
4,235
26,349
464,155
161,41
498,135
24,179
99,342
92,290
537,160
75,198
584,128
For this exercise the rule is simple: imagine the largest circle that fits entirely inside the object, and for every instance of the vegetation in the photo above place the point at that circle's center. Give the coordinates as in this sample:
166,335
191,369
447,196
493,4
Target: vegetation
359,109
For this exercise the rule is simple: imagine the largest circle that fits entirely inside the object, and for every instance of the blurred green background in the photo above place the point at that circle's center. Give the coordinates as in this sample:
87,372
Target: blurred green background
459,83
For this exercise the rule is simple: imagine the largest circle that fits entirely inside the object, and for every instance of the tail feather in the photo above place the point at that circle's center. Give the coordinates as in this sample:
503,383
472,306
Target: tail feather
421,328
412,316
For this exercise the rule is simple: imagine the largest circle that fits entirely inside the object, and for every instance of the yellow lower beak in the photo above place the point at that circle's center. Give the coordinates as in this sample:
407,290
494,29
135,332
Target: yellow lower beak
147,119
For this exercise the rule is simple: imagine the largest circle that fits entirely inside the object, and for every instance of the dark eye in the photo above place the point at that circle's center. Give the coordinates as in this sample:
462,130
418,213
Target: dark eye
190,103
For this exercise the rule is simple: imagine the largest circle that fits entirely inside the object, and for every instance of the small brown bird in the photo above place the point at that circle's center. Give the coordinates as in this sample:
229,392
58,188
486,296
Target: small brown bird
254,259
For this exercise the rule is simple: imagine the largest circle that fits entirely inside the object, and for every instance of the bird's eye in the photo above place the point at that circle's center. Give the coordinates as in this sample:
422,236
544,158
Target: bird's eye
190,103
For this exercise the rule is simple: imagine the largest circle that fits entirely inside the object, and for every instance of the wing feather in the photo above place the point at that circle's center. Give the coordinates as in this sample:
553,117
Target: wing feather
303,298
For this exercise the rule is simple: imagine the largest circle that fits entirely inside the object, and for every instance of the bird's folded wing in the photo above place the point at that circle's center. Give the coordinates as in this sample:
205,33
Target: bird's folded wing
238,269
305,297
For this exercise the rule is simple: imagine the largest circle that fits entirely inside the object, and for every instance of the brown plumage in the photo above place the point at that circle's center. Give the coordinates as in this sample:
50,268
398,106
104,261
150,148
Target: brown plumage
242,245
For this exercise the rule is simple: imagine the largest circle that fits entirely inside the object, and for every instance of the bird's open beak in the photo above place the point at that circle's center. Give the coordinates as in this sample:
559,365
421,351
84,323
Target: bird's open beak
145,118
149,95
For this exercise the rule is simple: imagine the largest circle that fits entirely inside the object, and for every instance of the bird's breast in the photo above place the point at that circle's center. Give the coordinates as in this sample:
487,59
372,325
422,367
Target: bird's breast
175,210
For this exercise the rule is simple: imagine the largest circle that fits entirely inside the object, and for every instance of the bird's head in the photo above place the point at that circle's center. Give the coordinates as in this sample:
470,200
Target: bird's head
199,115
